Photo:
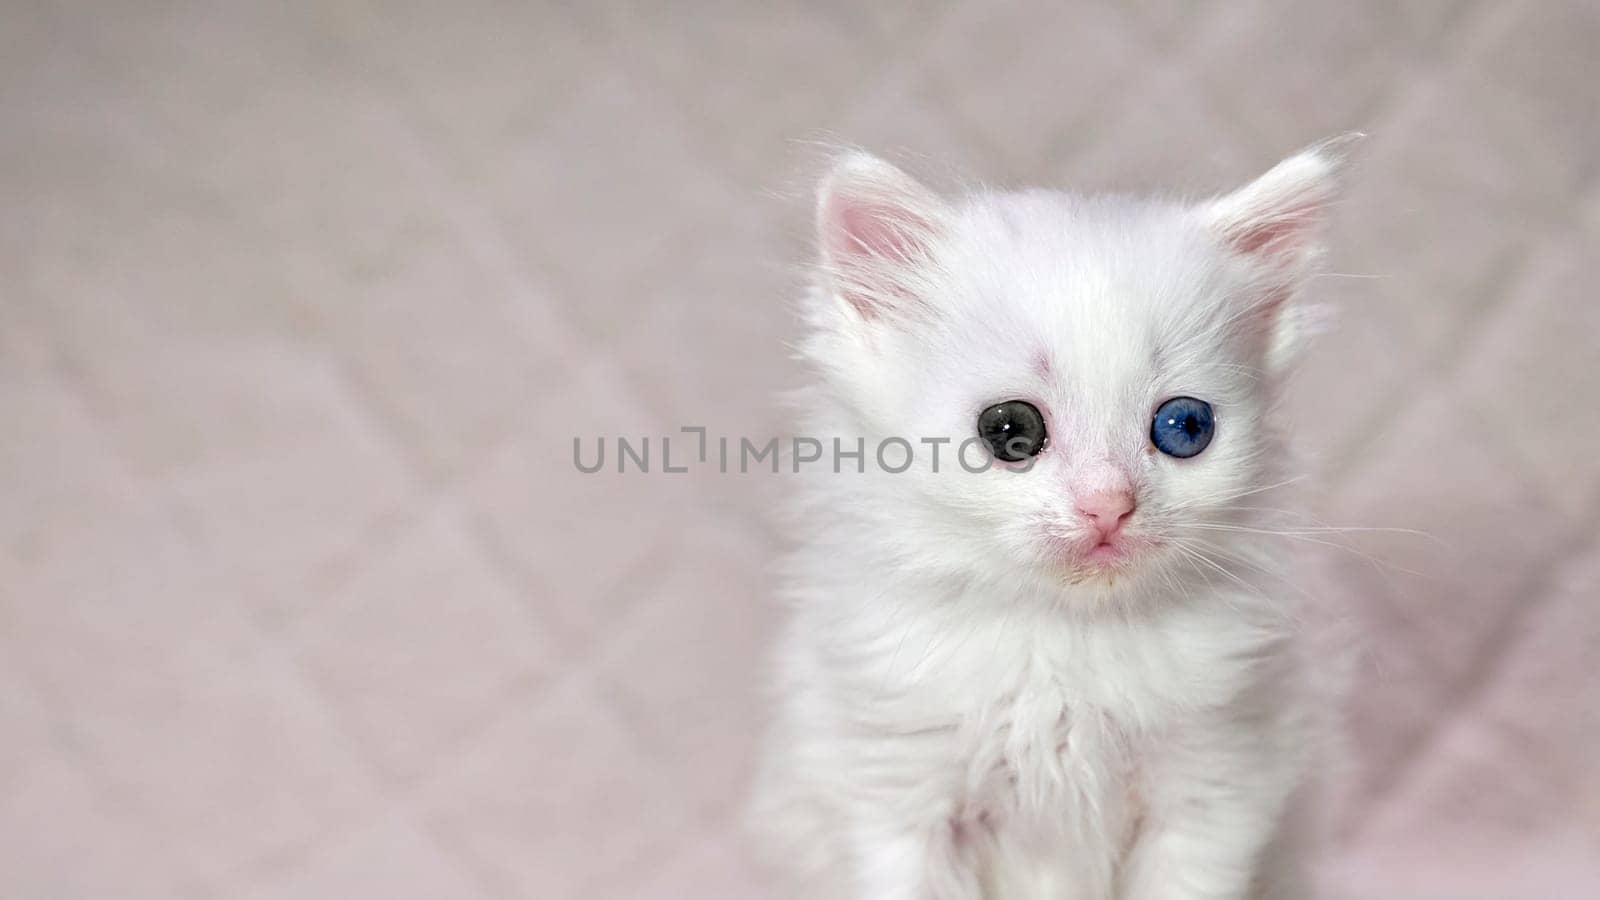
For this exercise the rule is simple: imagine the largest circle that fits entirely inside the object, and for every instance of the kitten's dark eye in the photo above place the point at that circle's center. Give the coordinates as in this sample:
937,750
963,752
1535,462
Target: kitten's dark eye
1183,427
1014,430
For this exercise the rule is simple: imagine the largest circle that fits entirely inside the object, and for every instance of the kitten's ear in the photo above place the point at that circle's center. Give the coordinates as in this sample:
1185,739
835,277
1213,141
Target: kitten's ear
1277,219
1276,222
876,229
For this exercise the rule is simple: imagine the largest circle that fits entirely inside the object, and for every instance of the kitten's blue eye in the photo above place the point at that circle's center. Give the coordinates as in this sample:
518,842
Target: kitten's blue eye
1183,427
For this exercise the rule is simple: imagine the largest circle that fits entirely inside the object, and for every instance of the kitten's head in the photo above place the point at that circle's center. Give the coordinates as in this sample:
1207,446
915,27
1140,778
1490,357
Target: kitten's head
1113,361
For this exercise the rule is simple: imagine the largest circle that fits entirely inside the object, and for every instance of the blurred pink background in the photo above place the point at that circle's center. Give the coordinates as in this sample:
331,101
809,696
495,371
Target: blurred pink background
302,305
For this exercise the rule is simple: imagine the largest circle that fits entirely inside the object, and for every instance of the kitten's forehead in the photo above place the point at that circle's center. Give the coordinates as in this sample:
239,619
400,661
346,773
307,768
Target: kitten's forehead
1112,240
1097,281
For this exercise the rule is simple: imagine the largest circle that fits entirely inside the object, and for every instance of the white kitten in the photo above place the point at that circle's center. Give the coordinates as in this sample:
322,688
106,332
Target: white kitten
1073,674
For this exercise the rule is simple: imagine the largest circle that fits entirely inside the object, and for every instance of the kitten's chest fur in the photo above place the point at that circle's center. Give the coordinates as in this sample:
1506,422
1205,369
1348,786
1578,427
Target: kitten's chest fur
1046,729
1041,757
1053,789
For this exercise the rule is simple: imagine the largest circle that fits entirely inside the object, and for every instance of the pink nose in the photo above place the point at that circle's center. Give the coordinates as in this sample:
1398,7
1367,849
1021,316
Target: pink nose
1107,510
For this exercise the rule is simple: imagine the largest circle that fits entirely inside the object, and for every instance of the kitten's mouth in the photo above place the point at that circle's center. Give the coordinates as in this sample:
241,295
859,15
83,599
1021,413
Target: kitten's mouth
1106,553
1105,558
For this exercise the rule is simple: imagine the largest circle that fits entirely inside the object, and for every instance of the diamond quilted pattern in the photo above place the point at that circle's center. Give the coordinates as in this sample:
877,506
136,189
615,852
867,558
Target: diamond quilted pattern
1434,602
1514,764
509,805
583,574
51,816
1002,70
748,120
426,644
1287,69
176,706
701,635
300,592
1545,335
392,858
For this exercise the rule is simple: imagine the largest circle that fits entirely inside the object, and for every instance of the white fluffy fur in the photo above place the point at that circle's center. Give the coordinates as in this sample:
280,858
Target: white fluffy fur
962,713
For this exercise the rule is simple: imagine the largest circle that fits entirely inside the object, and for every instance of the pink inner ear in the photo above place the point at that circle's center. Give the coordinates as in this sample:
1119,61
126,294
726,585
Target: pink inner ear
876,228
1284,234
862,228
1276,217
871,244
